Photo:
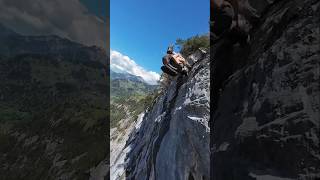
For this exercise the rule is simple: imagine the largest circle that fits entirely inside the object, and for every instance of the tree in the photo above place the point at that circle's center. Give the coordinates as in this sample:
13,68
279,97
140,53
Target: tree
190,45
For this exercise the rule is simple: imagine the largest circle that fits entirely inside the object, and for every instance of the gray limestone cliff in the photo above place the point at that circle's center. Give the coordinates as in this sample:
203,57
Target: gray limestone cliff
172,141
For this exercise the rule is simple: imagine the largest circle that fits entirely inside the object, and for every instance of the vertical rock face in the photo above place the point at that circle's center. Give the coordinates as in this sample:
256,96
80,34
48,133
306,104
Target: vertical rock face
172,141
266,121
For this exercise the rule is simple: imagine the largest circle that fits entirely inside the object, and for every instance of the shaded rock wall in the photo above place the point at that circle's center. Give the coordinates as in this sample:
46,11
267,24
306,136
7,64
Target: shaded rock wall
266,120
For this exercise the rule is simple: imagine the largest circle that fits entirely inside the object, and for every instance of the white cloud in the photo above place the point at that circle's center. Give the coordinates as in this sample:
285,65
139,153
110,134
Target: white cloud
120,62
69,19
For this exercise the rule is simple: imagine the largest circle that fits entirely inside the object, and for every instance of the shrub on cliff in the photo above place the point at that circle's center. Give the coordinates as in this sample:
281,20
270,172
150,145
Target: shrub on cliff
190,45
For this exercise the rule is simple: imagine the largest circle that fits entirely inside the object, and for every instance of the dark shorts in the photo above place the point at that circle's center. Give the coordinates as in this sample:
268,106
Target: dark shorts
171,70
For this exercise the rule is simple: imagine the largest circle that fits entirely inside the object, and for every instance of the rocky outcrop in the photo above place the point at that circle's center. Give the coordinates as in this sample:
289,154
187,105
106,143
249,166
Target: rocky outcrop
172,141
266,119
118,149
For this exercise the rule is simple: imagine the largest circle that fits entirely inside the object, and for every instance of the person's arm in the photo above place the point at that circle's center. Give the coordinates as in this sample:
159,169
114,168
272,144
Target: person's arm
182,60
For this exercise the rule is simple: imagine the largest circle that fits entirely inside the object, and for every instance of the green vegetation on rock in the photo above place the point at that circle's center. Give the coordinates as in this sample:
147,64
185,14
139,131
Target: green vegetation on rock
192,44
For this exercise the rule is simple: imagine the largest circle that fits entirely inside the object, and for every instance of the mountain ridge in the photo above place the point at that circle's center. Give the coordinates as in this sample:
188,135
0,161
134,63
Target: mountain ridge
13,44
125,76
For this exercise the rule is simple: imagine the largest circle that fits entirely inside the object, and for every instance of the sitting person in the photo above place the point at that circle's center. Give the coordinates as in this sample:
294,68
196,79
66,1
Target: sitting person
174,63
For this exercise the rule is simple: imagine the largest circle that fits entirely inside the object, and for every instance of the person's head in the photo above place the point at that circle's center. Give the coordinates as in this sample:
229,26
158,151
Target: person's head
170,49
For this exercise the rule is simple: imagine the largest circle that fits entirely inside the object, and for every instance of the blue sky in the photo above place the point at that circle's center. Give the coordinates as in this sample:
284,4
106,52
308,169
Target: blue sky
142,29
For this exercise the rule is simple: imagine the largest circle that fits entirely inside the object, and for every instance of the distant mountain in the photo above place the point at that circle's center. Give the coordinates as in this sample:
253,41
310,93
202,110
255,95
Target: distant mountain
125,76
4,31
13,44
130,95
124,85
53,110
